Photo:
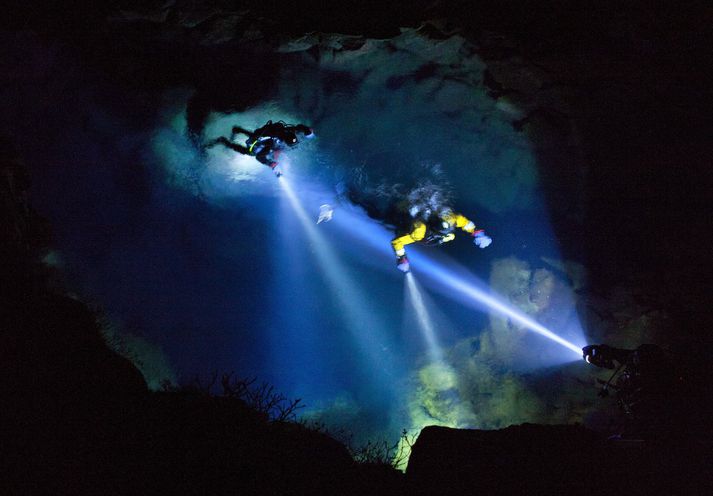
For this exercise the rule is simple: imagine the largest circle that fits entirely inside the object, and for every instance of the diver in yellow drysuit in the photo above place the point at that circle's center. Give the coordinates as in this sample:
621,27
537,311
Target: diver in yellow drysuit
437,229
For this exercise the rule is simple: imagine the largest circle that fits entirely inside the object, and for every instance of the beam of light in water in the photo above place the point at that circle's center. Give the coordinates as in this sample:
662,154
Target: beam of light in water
377,237
356,223
425,323
357,314
453,282
443,275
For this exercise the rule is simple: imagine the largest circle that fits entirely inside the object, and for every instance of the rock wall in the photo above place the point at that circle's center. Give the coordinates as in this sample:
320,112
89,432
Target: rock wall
536,459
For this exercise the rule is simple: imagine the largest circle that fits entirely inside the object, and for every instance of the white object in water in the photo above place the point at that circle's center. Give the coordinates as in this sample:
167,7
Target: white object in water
325,213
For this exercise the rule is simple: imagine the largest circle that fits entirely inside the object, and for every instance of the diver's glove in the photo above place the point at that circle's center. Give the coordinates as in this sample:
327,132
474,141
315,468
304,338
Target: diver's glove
481,239
275,169
402,264
445,239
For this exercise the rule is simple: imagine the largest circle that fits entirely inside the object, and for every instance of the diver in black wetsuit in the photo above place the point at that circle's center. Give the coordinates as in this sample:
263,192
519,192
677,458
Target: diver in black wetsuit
267,142
653,391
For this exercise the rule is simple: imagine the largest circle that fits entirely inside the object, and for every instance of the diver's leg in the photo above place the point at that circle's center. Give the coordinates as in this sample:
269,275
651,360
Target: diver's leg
213,142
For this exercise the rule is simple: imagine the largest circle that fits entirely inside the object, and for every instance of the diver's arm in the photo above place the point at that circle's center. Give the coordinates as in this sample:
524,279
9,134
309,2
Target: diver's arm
418,233
464,223
480,238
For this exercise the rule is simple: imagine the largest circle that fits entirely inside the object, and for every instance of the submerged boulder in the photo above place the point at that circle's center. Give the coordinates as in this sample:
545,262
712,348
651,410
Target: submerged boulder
551,459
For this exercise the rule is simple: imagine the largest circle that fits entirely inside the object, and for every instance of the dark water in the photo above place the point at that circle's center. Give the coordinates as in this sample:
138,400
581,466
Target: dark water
220,272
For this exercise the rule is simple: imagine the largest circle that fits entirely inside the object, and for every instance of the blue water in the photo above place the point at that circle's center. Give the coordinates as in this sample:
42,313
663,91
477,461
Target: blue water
219,272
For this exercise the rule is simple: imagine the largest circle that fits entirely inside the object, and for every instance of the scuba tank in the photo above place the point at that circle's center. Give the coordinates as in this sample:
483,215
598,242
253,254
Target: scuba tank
280,132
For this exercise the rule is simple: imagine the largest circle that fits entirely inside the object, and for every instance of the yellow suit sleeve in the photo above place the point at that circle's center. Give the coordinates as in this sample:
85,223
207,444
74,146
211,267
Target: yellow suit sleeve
418,233
460,221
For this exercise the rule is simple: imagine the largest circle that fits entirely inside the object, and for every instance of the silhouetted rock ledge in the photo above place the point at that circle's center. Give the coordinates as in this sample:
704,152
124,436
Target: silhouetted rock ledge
552,459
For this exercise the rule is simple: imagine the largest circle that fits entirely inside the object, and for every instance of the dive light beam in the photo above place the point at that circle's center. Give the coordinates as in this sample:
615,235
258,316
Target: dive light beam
356,312
379,239
493,303
424,320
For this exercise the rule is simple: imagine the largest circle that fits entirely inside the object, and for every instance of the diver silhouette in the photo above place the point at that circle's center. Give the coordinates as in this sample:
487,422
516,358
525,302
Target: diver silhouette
265,143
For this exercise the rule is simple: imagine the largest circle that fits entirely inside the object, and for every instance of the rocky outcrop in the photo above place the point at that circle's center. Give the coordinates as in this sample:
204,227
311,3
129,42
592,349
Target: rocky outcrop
49,339
22,232
540,459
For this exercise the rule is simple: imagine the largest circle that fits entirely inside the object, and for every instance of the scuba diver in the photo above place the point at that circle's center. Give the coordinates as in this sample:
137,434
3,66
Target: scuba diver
431,228
643,365
646,384
267,142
